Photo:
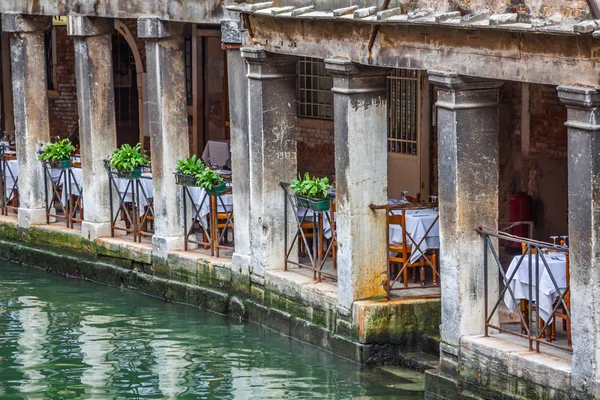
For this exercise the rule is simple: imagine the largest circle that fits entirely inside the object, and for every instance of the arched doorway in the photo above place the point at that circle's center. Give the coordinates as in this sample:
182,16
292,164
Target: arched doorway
128,73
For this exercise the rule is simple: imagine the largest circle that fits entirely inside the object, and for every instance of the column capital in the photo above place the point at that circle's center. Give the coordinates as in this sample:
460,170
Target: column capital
15,23
352,78
455,82
155,28
579,97
264,65
583,107
80,25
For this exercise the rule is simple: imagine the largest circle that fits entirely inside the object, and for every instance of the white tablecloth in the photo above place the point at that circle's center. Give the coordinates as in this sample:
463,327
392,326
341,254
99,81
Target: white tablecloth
417,224
217,153
198,194
144,197
12,174
548,294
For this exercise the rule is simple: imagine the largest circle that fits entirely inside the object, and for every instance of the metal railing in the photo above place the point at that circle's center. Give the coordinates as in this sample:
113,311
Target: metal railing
317,251
213,226
535,254
59,195
10,192
416,246
135,209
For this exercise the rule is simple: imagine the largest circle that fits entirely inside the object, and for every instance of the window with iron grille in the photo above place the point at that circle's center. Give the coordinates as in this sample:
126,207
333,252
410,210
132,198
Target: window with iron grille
403,104
315,99
188,71
49,43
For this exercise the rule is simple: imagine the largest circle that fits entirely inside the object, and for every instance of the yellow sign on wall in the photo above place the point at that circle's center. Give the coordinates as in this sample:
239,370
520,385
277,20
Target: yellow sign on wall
59,20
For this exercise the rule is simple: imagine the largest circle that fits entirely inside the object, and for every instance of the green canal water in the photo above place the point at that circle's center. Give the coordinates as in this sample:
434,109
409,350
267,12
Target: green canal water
66,338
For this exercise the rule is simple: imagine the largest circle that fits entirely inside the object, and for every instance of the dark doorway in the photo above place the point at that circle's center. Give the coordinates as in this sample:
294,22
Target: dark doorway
126,92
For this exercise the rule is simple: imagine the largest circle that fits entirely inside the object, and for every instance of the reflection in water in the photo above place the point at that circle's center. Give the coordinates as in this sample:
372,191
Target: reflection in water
95,342
34,323
73,339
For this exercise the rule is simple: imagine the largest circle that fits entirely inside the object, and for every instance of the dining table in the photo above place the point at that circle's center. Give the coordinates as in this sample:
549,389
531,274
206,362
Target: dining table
418,223
548,293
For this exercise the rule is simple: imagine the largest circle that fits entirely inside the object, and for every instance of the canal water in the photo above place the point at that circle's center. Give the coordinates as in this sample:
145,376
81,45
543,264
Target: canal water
66,338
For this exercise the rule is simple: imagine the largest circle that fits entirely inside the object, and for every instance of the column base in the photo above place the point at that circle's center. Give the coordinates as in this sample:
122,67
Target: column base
95,230
162,245
241,262
27,217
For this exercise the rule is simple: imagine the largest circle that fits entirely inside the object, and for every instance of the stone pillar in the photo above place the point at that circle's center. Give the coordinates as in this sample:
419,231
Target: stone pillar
583,125
468,196
360,120
167,114
240,149
97,126
28,63
272,155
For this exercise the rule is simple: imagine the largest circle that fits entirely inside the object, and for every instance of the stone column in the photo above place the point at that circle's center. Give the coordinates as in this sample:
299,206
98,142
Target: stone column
583,125
468,196
272,154
167,114
360,120
240,148
97,127
30,103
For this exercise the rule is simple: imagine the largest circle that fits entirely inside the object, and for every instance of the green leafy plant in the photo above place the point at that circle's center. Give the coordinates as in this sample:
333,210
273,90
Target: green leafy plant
61,150
190,166
127,158
314,187
208,178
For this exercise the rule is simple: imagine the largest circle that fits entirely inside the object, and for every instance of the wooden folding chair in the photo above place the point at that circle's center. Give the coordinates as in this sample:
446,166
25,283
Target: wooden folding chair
403,252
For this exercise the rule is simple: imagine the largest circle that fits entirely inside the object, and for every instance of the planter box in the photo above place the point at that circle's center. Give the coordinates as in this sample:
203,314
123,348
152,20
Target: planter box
185,179
61,164
319,205
135,174
217,190
302,201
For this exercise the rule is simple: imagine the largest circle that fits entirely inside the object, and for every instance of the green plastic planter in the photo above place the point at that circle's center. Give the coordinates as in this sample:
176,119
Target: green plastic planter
302,201
135,174
218,190
61,164
185,179
319,205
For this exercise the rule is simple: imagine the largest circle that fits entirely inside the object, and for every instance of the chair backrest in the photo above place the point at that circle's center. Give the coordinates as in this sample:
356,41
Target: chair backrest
398,219
416,199
524,249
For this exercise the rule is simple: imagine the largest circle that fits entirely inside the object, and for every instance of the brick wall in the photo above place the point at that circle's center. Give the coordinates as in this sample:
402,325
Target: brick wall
316,152
62,103
542,173
548,115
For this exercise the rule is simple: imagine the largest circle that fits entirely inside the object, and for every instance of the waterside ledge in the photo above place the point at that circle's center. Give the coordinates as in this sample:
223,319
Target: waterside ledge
400,332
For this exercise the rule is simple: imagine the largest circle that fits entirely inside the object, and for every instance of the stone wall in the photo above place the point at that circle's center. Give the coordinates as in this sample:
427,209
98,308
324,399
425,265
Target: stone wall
62,102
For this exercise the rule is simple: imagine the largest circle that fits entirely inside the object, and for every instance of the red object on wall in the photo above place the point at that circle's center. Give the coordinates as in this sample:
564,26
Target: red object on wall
521,205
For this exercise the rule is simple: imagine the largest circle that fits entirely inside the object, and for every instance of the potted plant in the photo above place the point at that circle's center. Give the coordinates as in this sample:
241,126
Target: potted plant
311,192
127,161
58,154
211,182
187,169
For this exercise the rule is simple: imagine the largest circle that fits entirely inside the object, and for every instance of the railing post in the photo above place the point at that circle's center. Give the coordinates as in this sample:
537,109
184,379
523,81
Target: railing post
485,281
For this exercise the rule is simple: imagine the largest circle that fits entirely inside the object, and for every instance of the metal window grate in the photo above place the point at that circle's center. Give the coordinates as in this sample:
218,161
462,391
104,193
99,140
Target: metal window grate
315,99
188,71
48,50
403,126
